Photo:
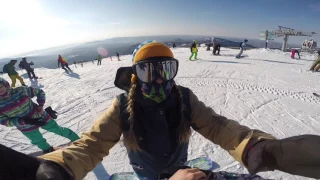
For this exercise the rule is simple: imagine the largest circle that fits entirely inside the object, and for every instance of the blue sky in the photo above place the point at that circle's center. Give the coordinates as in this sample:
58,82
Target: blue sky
36,24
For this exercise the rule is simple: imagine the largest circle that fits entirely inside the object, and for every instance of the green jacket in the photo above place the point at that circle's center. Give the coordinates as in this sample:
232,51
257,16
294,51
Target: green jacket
10,69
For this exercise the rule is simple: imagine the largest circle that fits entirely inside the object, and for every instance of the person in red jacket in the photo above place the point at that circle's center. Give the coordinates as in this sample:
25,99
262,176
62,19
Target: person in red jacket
63,63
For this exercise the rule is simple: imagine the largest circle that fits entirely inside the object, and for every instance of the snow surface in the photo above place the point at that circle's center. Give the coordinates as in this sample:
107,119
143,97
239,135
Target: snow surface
266,90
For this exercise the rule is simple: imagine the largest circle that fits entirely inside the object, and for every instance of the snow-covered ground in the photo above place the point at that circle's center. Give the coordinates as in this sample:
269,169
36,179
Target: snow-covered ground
265,90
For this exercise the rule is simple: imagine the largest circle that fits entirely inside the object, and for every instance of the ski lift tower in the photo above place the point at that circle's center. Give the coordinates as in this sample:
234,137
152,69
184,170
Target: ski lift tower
286,32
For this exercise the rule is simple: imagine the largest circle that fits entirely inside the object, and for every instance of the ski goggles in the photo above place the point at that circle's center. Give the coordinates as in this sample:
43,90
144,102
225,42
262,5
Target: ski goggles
147,71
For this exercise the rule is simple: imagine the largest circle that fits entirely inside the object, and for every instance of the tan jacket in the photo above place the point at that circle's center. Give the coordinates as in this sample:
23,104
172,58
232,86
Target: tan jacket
81,157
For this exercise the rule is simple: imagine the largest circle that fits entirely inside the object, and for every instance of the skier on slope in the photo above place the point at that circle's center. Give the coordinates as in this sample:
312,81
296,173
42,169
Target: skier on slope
25,65
243,45
64,63
99,58
194,50
12,73
316,65
155,117
17,109
118,56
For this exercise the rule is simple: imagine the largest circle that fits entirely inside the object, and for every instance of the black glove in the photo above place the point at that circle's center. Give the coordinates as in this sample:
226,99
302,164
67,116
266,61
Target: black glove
51,112
298,155
49,170
34,121
18,166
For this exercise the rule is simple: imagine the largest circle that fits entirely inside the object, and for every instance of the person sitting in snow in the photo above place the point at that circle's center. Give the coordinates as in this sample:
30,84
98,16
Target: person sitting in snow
64,63
316,65
13,74
17,109
243,45
194,50
27,66
155,117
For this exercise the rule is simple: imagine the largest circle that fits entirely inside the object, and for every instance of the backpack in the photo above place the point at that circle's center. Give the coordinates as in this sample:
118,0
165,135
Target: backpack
240,44
124,115
21,65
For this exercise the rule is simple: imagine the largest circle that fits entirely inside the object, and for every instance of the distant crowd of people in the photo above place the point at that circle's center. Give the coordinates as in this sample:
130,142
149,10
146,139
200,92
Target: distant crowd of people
25,65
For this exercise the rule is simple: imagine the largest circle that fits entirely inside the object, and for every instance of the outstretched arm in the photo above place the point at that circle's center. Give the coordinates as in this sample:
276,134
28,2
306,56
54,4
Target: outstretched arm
82,157
229,134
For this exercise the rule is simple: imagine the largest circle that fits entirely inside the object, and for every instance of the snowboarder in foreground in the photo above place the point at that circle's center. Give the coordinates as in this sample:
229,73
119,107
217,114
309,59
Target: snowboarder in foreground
17,109
25,65
13,74
293,53
194,50
316,65
64,63
155,117
243,45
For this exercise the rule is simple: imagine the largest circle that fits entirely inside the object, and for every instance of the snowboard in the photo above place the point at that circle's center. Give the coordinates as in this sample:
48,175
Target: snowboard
202,163
240,57
317,95
194,59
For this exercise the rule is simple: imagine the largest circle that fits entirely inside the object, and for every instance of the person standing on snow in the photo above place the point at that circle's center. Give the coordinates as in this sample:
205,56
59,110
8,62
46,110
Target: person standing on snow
316,65
25,65
13,74
194,50
243,45
17,109
63,63
293,53
99,58
155,117
216,48
118,56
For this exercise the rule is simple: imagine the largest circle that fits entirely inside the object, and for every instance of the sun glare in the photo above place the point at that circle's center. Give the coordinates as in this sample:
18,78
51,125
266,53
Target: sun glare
30,26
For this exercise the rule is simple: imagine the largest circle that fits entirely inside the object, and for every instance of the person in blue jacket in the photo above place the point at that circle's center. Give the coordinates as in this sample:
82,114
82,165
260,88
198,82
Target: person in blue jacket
243,45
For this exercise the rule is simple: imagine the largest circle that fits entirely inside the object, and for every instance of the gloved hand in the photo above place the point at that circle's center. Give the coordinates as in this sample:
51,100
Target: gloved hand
49,170
16,165
51,112
298,155
34,121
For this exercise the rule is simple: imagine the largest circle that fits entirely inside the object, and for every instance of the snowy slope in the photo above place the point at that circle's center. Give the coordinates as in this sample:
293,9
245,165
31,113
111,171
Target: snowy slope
265,90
